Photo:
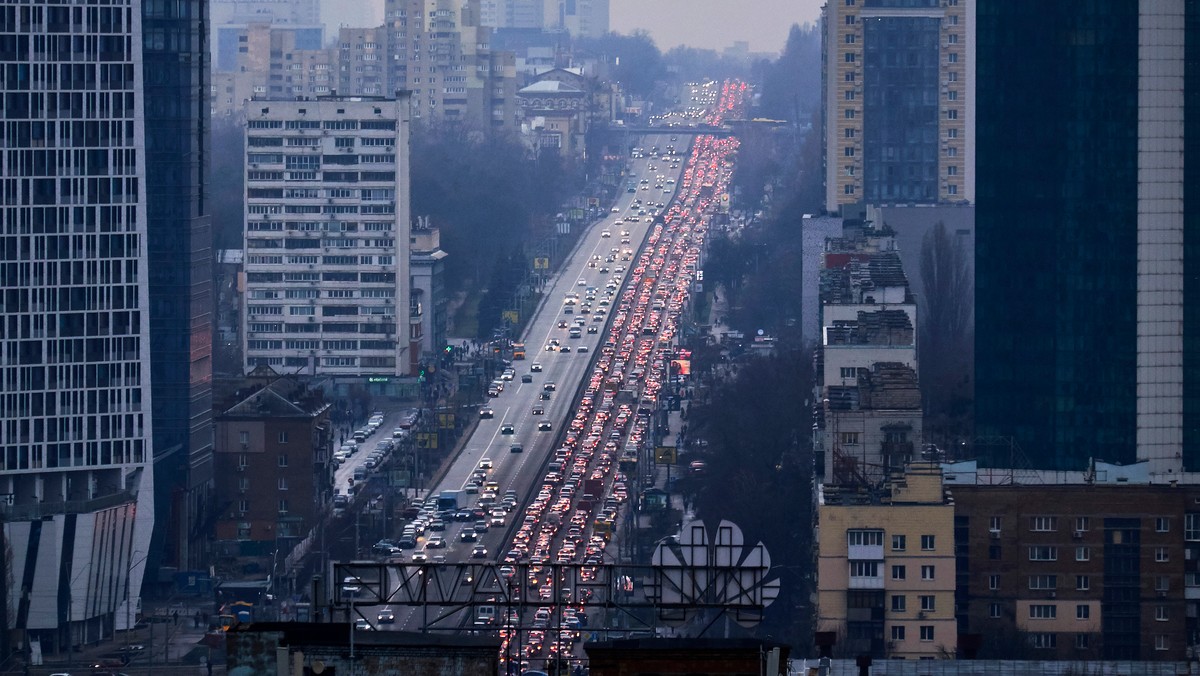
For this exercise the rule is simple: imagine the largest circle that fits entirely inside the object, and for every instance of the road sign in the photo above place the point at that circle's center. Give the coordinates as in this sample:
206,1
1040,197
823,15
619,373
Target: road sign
512,316
666,455
446,421
427,440
541,263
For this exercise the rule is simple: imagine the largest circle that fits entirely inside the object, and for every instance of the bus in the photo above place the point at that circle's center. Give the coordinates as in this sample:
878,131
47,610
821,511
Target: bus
518,350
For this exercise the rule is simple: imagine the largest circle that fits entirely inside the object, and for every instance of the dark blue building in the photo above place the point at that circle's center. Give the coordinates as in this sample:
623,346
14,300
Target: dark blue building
176,88
1085,217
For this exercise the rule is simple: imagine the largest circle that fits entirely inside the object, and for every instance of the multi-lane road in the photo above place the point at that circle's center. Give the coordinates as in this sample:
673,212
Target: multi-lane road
642,279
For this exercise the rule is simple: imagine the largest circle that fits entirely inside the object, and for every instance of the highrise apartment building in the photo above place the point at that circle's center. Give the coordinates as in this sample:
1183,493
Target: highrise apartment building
271,62
230,19
1087,329
898,82
441,52
327,239
77,315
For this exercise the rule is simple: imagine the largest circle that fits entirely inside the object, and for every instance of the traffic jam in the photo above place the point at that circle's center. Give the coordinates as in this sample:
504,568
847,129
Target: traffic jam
572,517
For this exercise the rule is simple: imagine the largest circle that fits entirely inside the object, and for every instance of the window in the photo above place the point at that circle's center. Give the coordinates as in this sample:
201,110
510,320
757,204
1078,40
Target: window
1043,581
242,461
848,152
899,603
993,582
243,506
952,95
898,543
1162,642
850,438
1043,611
927,572
1160,613
283,460
283,506
1082,523
1043,523
849,19
849,113
850,76
849,372
952,57
849,57
1162,524
995,523
952,38
898,572
849,94
995,553
1043,640
928,603
898,632
1083,582
244,484
952,189
849,189
927,542
994,610
1083,611
244,438
851,38
864,537
926,632
951,170
952,114
283,437
1162,583
1081,641
864,569
1043,553
1162,554
849,132
282,484
1083,553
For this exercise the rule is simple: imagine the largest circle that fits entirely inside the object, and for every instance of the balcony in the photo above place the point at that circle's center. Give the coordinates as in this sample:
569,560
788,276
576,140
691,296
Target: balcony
866,582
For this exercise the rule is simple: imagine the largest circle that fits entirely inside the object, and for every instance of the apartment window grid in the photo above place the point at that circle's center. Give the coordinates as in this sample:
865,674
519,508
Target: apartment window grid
870,538
1191,527
1083,553
1043,611
897,632
899,603
928,603
995,610
899,542
993,582
898,572
1162,554
1162,524
1083,611
928,543
928,572
927,632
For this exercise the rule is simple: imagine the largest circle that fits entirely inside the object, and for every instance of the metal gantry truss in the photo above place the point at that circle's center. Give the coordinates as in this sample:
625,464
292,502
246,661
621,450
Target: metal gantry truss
445,590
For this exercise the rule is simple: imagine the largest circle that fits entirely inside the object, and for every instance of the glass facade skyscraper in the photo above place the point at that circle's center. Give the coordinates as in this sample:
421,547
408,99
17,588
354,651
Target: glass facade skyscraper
1083,227
176,90
76,404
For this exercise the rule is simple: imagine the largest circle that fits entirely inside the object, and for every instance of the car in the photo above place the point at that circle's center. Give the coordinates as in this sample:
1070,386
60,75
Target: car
486,412
606,234
604,269
435,542
536,367
485,463
420,557
361,624
615,210
564,349
583,349
591,330
581,282
508,428
479,552
386,616
516,448
549,386
538,409
493,391
562,323
526,378
437,525
468,535
544,426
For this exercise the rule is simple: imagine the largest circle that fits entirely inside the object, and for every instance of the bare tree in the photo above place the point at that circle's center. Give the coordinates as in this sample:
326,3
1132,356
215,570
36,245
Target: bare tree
947,336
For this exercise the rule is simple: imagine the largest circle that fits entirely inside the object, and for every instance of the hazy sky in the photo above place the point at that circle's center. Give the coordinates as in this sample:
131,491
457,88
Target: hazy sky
711,24
714,24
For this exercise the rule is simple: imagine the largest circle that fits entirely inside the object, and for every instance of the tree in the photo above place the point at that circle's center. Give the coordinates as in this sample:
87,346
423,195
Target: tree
227,183
946,338
638,64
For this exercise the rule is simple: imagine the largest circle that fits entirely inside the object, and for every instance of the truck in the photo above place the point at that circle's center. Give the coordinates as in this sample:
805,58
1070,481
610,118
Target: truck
518,350
449,500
